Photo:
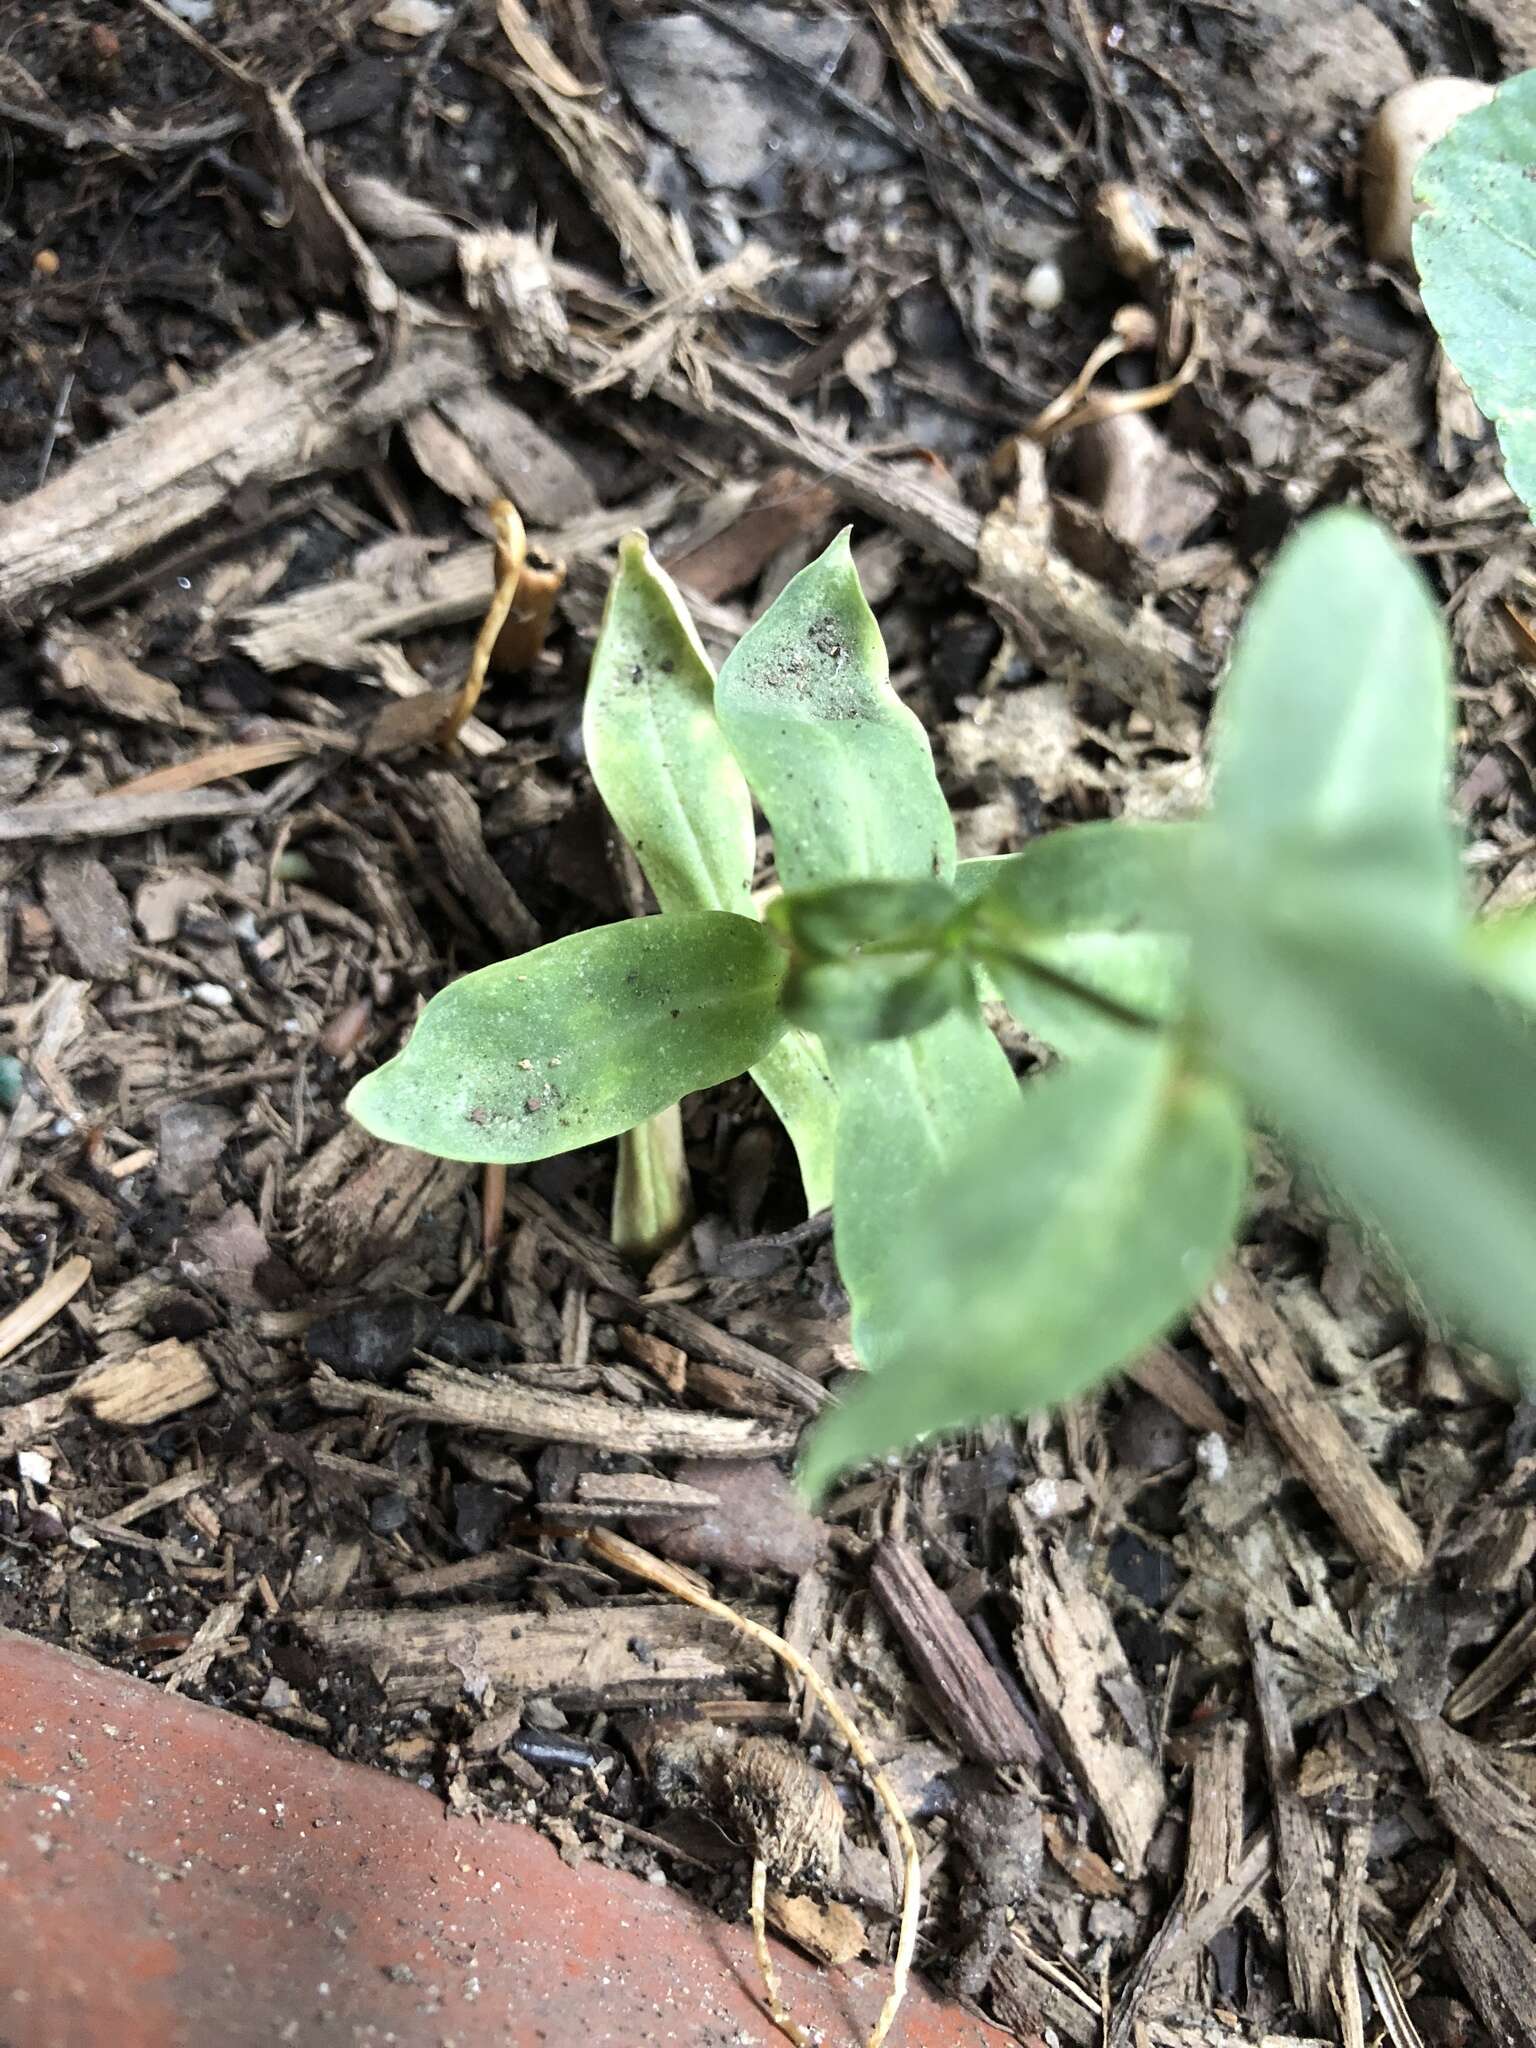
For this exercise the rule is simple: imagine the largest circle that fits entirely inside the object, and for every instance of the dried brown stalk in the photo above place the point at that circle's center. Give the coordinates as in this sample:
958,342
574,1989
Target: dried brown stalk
616,1550
511,553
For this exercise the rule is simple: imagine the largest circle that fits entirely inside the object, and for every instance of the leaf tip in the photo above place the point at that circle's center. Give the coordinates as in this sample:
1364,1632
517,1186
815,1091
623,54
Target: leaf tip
822,1459
363,1105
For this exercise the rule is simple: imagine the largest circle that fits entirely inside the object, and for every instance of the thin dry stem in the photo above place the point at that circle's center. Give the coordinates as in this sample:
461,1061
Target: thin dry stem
511,553
629,1557
778,2011
493,1213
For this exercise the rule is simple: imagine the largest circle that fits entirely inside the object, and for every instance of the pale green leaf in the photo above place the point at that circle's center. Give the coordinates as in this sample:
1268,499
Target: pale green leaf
1475,247
673,788
655,748
1332,733
796,1077
1072,1238
845,774
1411,1088
581,1039
840,765
1104,906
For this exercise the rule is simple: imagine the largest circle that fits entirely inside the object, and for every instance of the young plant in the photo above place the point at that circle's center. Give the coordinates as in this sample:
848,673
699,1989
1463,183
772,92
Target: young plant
673,788
1300,956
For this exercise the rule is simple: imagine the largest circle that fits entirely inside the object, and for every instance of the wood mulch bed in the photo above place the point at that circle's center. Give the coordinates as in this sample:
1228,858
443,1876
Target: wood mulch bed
1212,1697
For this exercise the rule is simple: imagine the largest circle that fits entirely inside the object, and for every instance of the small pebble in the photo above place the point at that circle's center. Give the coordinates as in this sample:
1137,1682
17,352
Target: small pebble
412,17
1044,288
388,1512
1213,1458
34,1466
1148,1437
1408,123
760,1522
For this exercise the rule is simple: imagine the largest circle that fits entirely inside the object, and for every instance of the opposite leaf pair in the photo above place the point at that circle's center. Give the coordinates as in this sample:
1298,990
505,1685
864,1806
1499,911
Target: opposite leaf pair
1301,950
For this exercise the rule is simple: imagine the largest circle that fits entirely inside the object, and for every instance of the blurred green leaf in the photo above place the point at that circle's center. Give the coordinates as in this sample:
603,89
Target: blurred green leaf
1331,740
673,788
580,1040
909,1112
873,960
1409,1086
1331,965
844,772
1071,1239
878,995
830,923
1502,950
1119,876
1475,248
1105,906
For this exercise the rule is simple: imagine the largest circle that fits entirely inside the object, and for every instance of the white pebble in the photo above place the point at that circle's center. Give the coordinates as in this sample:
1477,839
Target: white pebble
1409,123
1212,1457
1045,287
411,17
1041,1497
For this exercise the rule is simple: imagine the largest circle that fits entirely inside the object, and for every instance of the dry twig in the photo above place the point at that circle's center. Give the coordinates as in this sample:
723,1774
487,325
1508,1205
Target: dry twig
615,1550
511,553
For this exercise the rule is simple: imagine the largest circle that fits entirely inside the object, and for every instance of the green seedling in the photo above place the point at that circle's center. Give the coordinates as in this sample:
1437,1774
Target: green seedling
675,791
1475,248
1299,957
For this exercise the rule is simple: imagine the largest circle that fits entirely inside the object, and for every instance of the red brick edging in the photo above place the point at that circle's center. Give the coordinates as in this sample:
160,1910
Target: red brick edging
172,1876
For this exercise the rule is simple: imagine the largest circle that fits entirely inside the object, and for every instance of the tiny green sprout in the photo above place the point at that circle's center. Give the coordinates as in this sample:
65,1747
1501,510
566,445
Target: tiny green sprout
1299,957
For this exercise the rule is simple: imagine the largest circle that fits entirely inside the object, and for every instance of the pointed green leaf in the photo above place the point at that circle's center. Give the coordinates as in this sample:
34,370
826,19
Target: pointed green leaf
655,748
1475,247
1071,1239
1332,733
1410,1087
1105,906
840,765
673,788
845,774
580,1040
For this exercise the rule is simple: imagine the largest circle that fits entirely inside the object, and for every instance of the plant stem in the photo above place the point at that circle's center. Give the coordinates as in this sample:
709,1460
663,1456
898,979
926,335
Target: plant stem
1069,985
